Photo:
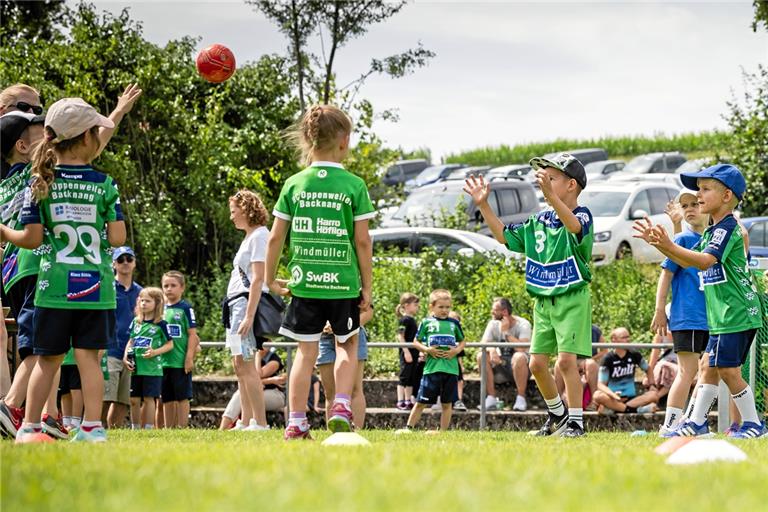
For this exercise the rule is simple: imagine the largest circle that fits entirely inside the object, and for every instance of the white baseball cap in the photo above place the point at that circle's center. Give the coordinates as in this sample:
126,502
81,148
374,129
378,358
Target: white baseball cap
69,117
685,192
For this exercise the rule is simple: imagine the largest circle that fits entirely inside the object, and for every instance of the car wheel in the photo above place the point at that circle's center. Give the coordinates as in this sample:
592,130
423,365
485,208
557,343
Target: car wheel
624,251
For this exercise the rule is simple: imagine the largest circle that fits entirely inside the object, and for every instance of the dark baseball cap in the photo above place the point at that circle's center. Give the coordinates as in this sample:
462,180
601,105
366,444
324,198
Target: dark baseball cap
564,162
727,174
12,125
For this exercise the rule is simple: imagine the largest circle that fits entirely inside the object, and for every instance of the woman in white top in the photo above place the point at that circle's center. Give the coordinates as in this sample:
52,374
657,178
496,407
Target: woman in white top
248,214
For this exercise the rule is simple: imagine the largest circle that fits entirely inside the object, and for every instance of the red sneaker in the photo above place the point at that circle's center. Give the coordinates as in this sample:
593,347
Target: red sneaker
293,432
54,428
11,418
341,418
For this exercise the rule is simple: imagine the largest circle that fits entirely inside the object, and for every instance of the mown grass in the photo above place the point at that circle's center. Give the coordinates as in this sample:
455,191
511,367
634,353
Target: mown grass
208,470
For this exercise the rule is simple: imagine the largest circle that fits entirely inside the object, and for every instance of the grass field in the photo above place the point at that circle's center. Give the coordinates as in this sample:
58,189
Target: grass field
198,470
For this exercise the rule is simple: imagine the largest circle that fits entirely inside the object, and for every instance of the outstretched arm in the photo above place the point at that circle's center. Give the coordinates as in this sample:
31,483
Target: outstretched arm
564,213
125,103
479,190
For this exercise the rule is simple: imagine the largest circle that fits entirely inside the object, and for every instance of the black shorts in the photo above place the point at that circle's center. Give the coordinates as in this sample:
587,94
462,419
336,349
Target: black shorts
70,379
146,385
439,384
21,299
56,330
408,372
690,341
177,385
305,318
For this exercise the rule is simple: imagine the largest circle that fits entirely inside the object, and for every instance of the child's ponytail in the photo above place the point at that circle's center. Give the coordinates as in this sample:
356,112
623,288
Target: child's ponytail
43,163
405,299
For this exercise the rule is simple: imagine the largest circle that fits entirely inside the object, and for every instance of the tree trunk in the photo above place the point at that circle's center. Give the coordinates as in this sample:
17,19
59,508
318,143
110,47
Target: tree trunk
334,45
297,53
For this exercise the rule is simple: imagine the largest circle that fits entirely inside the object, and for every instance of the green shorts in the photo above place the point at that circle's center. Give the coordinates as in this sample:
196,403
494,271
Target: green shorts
563,324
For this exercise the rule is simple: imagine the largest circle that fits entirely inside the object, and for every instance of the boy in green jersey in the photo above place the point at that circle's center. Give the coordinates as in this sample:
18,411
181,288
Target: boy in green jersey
442,340
733,305
557,243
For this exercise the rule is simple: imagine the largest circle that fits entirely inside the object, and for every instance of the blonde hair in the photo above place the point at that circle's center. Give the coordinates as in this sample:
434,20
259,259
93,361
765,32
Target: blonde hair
405,299
10,95
175,274
319,129
439,294
252,206
44,159
155,294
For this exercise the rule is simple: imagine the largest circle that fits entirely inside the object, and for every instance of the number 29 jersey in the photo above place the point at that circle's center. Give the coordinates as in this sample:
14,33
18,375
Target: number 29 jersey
75,266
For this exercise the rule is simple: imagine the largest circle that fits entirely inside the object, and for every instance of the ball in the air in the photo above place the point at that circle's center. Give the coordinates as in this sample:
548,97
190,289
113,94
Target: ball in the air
216,63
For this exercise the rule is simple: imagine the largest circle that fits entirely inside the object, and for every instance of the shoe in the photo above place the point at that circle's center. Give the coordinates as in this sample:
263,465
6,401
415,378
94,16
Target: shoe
573,430
26,435
238,426
293,432
402,405
555,425
408,405
688,428
520,404
436,407
94,435
53,428
732,429
255,427
341,418
491,404
458,405
404,431
750,430
11,418
663,431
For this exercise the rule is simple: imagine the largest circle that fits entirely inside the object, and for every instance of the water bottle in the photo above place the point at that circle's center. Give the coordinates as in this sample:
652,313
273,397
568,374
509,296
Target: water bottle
131,357
499,404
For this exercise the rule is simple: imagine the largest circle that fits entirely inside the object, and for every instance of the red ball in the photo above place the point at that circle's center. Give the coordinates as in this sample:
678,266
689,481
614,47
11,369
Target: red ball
216,63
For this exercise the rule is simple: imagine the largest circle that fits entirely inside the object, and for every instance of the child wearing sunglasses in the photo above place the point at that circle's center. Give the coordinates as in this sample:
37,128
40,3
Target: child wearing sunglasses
20,97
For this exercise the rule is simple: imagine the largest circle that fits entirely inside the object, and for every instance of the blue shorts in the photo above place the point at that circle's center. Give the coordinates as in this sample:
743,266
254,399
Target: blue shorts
21,299
327,348
439,384
177,385
146,385
729,350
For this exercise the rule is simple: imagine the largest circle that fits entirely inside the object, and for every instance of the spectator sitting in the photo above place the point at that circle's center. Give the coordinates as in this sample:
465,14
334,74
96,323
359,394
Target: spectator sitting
616,387
506,364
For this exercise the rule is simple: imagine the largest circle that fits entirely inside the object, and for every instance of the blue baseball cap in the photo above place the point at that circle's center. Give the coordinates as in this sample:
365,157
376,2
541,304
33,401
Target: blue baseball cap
727,174
122,250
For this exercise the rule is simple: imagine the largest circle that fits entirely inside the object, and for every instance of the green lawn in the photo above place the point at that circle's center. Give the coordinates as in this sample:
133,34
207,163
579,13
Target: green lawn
197,470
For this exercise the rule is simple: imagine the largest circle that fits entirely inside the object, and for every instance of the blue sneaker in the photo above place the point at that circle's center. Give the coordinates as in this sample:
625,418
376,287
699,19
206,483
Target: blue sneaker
688,429
750,430
94,435
732,429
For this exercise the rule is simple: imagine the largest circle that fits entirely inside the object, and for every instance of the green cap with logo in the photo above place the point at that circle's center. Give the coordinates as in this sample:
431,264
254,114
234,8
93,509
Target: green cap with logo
564,162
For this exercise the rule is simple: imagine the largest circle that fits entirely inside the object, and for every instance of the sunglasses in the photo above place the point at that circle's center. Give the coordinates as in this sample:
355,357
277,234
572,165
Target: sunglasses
26,107
124,259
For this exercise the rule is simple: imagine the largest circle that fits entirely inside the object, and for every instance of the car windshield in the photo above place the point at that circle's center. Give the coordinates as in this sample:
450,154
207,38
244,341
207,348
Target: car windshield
503,173
457,174
426,204
430,173
603,203
594,168
640,164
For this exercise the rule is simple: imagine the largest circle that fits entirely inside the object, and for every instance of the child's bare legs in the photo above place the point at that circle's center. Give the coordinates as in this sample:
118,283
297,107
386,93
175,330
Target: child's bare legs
171,414
345,367
539,367
300,377
148,411
251,391
559,382
40,382
329,386
591,372
50,407
408,393
687,367
136,411
400,393
159,414
182,414
66,405
445,416
77,404
415,416
5,369
17,393
92,382
568,366
358,397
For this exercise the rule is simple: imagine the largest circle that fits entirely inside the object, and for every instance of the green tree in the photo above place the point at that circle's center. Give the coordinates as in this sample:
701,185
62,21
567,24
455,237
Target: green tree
761,14
748,119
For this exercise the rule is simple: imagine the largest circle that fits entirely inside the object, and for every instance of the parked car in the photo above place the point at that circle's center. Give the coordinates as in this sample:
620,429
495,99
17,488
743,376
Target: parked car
464,172
695,165
655,163
511,200
601,170
413,240
585,156
508,171
431,174
615,207
621,176
757,227
403,170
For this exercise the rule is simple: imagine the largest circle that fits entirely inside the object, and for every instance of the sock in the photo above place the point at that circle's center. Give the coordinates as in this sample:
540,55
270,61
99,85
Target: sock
555,406
672,417
67,421
298,419
90,425
577,415
342,398
149,426
76,422
705,397
689,409
745,402
37,427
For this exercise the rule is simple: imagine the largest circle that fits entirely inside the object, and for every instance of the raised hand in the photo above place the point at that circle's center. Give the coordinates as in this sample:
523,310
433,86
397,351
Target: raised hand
542,179
126,100
659,237
674,212
642,228
477,188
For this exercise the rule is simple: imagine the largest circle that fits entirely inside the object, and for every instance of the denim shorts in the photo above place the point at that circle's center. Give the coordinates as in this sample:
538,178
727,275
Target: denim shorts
327,351
245,346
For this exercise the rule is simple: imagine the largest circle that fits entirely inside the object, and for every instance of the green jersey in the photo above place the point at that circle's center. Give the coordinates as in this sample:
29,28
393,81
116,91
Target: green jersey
75,266
180,318
322,203
733,304
17,262
69,358
443,333
144,336
557,260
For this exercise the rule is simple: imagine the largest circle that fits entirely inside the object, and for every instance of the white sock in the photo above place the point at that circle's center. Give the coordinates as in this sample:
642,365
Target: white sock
577,415
689,409
672,417
555,406
91,424
705,397
67,421
76,422
745,402
37,427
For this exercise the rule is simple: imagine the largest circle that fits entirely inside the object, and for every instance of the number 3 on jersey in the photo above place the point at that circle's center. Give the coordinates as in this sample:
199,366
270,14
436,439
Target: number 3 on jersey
73,236
540,237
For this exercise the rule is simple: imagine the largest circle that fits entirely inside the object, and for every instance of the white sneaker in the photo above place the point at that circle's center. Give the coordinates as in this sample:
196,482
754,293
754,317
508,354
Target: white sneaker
520,404
253,426
238,426
491,403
